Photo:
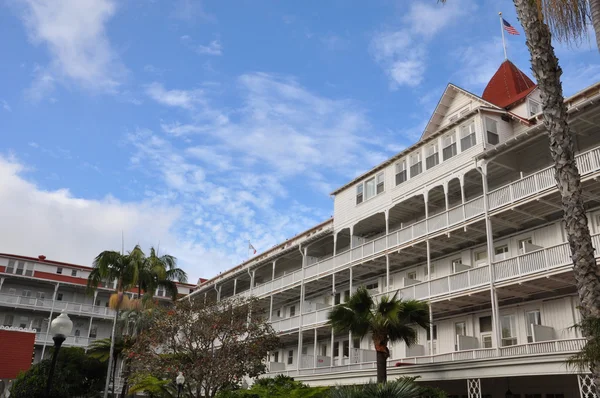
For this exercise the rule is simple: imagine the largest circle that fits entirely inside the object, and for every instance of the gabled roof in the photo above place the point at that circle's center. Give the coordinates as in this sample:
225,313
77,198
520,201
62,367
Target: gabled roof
508,85
444,103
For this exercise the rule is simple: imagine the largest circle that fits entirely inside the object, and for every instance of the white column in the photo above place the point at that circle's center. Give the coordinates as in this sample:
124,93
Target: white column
350,269
1,283
302,294
332,303
447,202
315,350
490,253
271,309
429,291
234,286
387,224
352,237
334,243
219,293
461,179
474,388
387,273
49,320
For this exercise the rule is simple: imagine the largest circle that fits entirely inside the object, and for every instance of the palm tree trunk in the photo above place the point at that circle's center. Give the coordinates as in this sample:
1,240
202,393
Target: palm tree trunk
111,366
126,371
382,355
547,72
595,11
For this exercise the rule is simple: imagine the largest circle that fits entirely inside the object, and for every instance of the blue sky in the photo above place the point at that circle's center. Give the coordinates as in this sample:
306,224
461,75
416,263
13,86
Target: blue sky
200,125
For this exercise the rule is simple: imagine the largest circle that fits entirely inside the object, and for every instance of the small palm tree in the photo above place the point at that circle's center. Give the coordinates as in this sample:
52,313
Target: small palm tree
389,320
153,271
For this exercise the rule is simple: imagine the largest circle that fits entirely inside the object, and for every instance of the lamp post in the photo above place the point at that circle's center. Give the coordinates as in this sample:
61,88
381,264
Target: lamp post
179,380
60,328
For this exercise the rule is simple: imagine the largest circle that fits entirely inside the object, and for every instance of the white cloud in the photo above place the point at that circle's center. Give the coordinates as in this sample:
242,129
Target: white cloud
74,31
174,98
5,106
402,52
213,48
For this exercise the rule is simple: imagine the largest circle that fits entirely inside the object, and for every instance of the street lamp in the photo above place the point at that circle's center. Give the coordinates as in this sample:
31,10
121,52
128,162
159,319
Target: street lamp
60,328
179,380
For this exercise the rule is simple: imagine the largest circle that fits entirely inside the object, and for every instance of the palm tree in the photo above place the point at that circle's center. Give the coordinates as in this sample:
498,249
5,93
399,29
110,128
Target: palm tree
101,350
154,271
389,320
568,21
110,266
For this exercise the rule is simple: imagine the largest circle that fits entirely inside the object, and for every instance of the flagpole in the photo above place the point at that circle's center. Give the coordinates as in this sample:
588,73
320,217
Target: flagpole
502,30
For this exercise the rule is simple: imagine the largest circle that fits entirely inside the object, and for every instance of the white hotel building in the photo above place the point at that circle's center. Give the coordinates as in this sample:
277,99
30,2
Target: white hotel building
467,219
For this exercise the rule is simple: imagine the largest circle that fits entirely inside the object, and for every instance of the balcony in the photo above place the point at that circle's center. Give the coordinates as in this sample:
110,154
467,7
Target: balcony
567,346
524,188
46,305
72,341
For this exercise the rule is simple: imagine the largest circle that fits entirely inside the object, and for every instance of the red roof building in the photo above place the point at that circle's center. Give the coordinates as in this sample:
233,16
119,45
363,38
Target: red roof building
508,85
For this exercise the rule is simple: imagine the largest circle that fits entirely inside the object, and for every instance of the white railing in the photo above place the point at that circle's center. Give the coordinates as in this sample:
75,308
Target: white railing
46,304
588,162
78,341
530,349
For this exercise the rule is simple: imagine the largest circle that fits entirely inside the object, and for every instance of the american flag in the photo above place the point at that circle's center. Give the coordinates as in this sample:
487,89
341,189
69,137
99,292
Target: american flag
509,28
251,248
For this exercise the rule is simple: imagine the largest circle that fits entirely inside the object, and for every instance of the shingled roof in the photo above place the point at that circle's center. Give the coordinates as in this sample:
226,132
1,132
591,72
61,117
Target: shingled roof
508,85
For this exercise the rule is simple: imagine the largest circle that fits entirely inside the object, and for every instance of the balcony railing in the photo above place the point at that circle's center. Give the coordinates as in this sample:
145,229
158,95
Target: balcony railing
530,349
46,304
77,341
588,162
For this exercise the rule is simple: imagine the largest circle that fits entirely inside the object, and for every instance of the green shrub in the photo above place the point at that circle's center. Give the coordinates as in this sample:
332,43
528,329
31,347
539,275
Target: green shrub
277,387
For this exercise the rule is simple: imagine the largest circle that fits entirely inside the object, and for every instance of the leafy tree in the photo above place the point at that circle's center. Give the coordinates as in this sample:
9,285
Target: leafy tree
389,320
76,375
277,387
213,344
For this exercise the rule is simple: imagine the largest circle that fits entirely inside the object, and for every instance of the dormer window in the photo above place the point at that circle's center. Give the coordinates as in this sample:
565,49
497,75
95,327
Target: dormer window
433,157
467,136
416,167
401,174
534,108
491,127
449,143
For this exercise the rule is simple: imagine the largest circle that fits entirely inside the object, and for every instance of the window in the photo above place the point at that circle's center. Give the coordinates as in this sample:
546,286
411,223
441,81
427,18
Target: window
293,310
481,256
160,292
26,293
380,183
401,175
457,262
501,252
20,268
359,193
323,350
491,127
449,146
37,324
485,324
416,167
290,357
532,318
346,348
467,136
509,334
191,291
276,356
371,286
8,319
523,243
98,302
434,333
29,269
59,297
94,331
534,108
369,188
279,313
346,296
304,350
59,270
412,275
41,295
12,291
356,343
433,157
10,268
486,340
77,333
336,348
23,321
73,272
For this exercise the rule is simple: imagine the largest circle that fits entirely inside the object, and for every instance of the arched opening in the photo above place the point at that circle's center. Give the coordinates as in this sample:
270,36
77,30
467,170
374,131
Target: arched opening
473,185
454,193
368,229
436,200
406,213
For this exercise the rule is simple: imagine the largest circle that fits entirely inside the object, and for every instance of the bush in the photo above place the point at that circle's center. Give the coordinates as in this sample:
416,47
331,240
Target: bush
405,387
277,387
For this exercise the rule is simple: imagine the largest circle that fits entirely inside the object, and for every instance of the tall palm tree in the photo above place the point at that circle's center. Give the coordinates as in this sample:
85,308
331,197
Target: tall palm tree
154,271
567,18
101,350
389,320
109,266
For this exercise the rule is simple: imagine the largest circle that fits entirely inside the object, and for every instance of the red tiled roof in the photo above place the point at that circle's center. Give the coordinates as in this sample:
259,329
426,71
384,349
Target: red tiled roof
508,85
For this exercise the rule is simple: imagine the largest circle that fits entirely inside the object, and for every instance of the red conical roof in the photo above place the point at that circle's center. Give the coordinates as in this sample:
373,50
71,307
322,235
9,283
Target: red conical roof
508,85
